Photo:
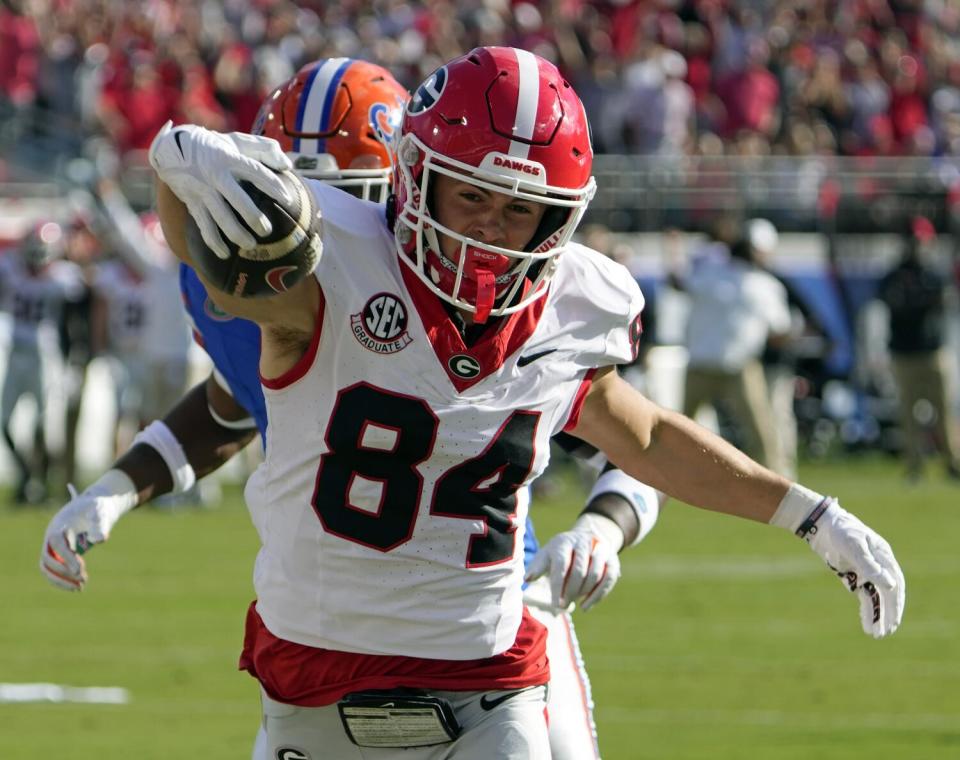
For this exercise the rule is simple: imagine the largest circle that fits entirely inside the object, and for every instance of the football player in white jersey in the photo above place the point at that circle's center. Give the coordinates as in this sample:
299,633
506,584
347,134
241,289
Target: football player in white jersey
388,611
34,286
118,319
362,98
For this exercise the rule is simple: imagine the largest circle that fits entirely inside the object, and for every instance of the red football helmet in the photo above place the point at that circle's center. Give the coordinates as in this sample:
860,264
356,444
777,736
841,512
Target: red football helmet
505,120
333,119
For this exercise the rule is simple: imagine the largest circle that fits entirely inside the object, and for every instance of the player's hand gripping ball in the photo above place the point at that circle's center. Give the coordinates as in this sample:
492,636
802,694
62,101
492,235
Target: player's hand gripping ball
279,260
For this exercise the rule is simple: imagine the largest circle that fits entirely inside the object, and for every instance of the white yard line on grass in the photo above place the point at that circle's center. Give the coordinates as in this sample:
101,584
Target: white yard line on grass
53,692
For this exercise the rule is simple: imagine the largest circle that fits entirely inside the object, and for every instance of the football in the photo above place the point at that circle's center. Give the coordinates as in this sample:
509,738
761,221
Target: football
279,260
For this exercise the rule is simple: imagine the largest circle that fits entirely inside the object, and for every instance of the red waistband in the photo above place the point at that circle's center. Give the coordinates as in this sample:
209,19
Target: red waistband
311,677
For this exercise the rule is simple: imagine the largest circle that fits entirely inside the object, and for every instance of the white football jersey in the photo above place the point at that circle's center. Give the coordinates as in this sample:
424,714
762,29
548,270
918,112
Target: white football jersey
392,501
124,294
35,300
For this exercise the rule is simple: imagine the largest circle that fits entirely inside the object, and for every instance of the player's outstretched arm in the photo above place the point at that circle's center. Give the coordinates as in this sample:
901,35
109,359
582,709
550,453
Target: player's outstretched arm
199,172
200,433
674,454
204,168
582,563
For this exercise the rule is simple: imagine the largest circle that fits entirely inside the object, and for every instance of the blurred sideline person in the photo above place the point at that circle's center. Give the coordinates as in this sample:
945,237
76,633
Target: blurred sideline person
82,249
807,338
781,353
163,330
736,308
35,285
228,409
118,322
778,370
915,294
394,484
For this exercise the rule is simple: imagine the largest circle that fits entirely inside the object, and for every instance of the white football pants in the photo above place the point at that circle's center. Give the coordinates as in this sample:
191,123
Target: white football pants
572,731
573,734
515,729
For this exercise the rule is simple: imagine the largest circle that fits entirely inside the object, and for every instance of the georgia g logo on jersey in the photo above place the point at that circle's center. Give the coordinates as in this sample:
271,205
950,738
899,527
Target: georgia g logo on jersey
381,326
429,92
464,366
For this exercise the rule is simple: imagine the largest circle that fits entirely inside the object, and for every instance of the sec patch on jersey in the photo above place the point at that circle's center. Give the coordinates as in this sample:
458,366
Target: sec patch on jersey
279,260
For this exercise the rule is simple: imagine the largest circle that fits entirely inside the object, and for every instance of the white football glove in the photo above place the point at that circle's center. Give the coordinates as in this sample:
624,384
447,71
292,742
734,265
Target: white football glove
582,562
866,565
203,167
859,555
83,522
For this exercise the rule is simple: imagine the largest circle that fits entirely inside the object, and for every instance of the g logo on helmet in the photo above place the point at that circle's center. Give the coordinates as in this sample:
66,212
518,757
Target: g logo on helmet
429,92
464,366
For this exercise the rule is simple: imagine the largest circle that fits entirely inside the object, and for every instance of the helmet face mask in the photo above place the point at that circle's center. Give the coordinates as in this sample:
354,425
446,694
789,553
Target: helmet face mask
476,276
449,130
334,119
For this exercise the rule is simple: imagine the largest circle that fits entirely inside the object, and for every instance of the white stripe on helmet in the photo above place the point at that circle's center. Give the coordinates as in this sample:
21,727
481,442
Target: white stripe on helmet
528,102
316,98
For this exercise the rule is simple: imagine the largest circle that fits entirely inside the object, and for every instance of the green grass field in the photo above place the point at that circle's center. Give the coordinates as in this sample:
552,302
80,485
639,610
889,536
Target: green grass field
723,639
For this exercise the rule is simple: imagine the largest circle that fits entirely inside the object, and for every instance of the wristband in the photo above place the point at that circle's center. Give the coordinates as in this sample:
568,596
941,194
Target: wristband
119,486
644,499
222,382
115,494
247,423
808,528
602,526
800,509
158,436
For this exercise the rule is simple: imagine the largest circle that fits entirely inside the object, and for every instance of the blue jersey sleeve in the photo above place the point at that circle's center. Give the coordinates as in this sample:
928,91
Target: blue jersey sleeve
233,345
530,544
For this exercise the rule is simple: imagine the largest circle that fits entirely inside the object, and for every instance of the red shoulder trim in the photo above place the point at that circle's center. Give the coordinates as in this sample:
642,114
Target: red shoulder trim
304,363
578,400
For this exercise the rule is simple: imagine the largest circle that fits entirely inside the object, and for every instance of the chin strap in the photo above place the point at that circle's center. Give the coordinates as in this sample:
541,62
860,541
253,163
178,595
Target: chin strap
486,294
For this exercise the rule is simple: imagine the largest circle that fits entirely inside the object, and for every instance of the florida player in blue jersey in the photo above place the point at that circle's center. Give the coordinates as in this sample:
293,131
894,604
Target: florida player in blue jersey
357,105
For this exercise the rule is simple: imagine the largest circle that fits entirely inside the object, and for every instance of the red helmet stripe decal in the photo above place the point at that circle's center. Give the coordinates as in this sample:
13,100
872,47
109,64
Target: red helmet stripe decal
528,102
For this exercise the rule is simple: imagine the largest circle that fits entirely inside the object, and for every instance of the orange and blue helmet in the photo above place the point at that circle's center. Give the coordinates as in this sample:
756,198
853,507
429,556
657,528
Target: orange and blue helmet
335,119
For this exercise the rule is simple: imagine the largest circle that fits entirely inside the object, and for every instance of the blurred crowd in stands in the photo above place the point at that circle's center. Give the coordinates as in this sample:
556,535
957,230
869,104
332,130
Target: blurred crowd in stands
755,77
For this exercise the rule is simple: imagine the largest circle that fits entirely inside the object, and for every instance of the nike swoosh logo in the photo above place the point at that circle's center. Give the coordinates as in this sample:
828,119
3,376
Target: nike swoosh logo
523,361
176,139
488,703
